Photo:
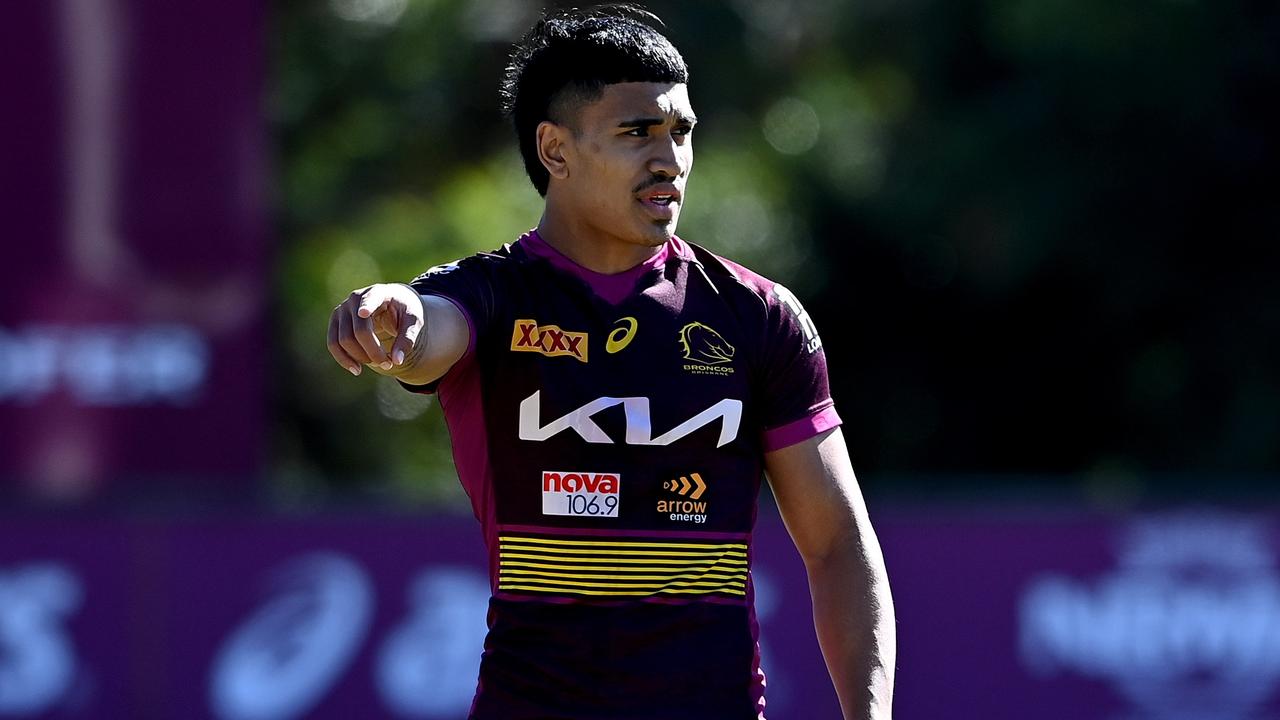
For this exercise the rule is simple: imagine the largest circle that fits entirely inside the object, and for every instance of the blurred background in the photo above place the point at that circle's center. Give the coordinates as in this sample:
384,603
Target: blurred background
1039,240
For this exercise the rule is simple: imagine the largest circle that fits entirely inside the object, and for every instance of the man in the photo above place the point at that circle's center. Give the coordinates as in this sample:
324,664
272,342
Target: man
613,394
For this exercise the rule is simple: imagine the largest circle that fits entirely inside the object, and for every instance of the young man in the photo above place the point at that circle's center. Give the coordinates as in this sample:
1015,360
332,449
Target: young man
613,394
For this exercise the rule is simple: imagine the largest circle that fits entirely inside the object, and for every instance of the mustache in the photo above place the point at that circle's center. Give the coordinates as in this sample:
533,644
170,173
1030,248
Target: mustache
654,180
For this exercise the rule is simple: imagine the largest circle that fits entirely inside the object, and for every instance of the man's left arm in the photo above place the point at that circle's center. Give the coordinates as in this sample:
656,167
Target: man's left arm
825,513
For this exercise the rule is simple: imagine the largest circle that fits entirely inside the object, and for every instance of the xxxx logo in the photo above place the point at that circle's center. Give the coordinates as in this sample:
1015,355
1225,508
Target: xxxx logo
549,340
683,486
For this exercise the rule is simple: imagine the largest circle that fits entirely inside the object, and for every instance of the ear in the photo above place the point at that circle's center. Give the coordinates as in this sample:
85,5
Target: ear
553,140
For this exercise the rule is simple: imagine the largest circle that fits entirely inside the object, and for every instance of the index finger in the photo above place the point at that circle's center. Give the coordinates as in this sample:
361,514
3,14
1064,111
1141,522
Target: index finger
372,300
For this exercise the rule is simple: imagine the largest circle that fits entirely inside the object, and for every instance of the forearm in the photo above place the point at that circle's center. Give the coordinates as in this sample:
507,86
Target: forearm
823,508
854,619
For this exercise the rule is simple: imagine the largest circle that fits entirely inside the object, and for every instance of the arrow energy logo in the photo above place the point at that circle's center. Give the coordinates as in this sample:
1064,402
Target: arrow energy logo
694,509
683,486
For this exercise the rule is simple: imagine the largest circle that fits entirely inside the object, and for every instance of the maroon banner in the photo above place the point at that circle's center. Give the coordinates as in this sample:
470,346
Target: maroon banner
131,312
1168,616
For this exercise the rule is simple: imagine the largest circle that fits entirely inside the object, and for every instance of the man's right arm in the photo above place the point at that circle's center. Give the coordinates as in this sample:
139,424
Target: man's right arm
396,332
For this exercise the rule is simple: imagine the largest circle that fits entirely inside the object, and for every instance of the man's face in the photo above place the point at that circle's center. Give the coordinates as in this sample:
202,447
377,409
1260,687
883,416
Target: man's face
628,161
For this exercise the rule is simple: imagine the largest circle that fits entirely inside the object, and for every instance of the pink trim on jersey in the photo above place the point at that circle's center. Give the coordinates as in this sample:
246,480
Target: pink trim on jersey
802,429
432,386
461,398
625,533
612,288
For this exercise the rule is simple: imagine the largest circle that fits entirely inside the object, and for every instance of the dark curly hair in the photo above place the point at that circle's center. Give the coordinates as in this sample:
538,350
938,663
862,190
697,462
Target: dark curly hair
568,57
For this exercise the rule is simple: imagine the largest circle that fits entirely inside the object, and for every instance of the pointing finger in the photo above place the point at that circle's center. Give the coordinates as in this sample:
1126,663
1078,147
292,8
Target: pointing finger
371,301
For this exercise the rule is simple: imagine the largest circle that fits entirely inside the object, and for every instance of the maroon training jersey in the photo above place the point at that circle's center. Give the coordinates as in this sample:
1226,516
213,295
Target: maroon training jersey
610,432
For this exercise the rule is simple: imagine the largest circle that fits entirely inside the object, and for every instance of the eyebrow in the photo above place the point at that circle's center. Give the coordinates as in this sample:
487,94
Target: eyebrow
651,121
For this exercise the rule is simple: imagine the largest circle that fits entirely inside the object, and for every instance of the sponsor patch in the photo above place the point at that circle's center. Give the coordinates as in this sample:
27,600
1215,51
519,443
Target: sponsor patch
639,430
811,340
444,269
706,350
690,507
621,336
549,340
580,494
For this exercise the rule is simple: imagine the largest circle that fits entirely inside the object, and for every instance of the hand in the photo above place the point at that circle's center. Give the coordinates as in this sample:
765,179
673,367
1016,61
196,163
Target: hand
377,326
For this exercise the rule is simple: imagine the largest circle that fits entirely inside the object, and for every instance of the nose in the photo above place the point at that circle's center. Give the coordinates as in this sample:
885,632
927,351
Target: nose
670,159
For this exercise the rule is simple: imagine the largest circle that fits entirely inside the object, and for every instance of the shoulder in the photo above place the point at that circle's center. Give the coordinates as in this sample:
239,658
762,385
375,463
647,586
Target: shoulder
784,315
481,263
735,277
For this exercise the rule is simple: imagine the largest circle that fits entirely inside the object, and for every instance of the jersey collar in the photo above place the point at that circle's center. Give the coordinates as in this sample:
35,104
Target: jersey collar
612,288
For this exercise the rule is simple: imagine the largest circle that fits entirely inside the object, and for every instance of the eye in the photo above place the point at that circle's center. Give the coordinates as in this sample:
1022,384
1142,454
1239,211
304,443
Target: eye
682,130
638,132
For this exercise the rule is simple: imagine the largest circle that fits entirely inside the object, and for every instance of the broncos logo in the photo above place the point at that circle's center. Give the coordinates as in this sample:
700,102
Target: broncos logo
704,346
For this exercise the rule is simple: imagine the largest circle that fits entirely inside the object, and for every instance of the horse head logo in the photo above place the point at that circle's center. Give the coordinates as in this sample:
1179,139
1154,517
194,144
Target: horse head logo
704,346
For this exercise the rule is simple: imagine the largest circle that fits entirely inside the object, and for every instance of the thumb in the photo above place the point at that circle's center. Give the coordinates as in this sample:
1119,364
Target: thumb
411,326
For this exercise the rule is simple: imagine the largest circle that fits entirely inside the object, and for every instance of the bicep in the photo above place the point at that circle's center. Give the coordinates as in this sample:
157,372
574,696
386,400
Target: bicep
817,493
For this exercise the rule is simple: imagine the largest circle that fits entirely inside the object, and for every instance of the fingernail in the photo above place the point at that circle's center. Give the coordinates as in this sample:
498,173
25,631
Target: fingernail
354,370
398,357
385,365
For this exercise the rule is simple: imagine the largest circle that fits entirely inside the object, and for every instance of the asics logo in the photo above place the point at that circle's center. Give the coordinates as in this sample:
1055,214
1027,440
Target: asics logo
620,337
639,426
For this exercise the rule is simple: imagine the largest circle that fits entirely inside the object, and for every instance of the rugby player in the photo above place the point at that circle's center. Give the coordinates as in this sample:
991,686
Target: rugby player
613,394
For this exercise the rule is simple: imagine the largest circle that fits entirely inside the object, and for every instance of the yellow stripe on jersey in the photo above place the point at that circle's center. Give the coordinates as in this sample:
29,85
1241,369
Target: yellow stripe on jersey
628,543
624,568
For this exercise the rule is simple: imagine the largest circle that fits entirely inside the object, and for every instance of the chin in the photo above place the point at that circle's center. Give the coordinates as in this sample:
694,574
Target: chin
659,234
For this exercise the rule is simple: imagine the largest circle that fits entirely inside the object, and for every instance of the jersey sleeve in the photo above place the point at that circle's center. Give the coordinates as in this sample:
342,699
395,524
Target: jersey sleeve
797,396
467,285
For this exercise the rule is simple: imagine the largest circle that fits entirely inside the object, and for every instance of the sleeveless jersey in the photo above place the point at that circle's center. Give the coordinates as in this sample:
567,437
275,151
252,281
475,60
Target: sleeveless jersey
610,432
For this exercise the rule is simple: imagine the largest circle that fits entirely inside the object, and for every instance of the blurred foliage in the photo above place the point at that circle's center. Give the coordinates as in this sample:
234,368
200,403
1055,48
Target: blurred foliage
1037,237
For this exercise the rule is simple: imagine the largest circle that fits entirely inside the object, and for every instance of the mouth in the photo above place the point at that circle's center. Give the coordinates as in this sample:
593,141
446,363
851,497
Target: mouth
662,201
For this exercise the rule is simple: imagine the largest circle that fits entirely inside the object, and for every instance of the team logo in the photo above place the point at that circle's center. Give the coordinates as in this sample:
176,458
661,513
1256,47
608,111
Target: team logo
691,507
549,340
706,350
621,336
580,493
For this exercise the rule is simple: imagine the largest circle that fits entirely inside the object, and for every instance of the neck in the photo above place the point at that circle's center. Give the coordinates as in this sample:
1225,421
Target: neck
592,250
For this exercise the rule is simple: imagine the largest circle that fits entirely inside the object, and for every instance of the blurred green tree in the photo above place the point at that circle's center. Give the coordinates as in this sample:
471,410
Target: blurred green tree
1037,237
